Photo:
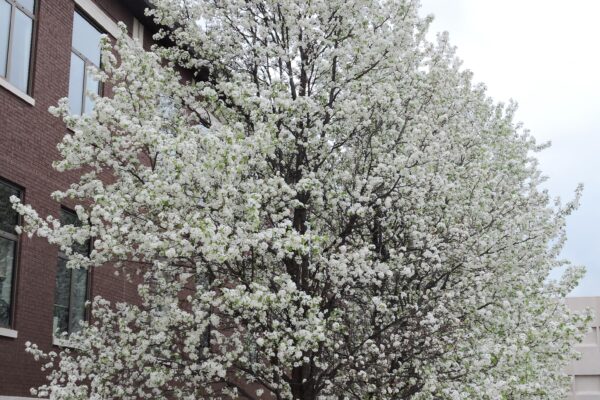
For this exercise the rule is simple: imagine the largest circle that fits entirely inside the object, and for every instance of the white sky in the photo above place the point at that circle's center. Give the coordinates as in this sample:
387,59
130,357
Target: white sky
545,54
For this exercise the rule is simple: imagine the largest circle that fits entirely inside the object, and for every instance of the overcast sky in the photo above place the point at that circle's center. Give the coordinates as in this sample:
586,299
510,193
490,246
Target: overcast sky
545,55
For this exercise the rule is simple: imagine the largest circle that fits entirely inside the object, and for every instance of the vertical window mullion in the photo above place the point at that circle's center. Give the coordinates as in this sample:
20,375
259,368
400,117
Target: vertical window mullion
85,73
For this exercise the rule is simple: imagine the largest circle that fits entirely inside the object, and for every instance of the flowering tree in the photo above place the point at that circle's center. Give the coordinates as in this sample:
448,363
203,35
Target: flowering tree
337,212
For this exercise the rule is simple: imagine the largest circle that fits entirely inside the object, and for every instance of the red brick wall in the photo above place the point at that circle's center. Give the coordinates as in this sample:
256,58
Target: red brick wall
28,138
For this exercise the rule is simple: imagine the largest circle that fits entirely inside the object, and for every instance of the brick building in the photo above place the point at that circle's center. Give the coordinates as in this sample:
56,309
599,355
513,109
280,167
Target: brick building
45,46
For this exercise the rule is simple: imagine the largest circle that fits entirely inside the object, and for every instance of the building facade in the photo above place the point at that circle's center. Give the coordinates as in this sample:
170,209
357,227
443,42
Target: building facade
586,370
45,47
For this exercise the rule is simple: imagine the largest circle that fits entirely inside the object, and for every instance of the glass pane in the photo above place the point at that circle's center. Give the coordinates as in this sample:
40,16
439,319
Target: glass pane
7,257
92,86
79,294
76,76
62,291
8,217
27,4
86,39
62,295
20,49
60,321
4,29
81,248
70,218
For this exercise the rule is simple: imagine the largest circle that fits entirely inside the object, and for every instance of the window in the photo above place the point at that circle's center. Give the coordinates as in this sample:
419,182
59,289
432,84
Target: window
85,52
70,293
16,31
8,250
138,31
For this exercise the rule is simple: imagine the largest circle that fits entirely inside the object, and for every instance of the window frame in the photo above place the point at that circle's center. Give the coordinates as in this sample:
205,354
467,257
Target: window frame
88,285
16,259
14,6
86,61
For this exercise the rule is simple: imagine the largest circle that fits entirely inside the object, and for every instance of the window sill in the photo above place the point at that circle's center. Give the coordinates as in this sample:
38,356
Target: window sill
9,333
13,89
63,342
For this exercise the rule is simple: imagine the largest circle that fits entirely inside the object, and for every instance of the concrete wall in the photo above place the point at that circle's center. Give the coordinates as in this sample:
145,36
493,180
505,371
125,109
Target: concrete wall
586,371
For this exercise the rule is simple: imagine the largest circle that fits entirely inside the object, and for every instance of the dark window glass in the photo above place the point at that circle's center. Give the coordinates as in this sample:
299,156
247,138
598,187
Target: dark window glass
70,293
7,262
8,250
70,296
69,218
8,217
78,298
62,293
16,30
85,53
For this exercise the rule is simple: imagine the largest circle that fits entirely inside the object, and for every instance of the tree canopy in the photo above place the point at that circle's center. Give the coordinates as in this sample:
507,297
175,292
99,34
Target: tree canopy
336,212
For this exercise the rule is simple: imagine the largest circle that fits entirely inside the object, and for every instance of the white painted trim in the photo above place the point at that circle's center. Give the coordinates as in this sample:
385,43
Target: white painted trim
56,341
16,398
138,31
16,91
8,333
62,342
96,13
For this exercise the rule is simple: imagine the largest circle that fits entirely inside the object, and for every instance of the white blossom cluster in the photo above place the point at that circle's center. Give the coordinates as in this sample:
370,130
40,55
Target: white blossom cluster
337,212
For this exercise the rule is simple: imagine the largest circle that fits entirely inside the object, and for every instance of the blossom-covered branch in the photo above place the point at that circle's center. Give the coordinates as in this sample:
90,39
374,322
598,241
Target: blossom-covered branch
337,212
